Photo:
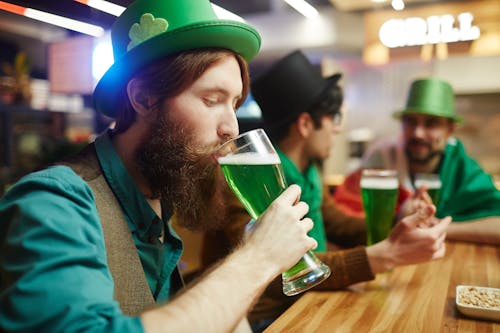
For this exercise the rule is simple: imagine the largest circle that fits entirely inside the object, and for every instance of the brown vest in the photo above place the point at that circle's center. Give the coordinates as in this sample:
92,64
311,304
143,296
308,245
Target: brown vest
131,288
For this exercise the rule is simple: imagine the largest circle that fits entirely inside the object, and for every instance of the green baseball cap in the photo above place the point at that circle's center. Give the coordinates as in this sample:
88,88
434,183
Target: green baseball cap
151,29
432,97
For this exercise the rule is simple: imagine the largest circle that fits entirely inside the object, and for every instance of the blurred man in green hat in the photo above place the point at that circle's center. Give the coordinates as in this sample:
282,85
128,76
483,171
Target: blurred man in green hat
86,244
428,146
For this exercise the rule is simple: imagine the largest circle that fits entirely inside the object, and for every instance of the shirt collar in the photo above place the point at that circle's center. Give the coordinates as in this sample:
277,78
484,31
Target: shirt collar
140,216
294,175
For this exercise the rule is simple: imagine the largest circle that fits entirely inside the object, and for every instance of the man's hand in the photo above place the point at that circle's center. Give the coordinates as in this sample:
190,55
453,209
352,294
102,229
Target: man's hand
414,239
280,234
411,204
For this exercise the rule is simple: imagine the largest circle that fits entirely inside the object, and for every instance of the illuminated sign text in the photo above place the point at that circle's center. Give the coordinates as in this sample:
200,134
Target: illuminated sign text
435,29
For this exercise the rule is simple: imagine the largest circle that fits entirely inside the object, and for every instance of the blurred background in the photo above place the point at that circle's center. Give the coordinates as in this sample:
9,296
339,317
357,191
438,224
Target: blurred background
53,52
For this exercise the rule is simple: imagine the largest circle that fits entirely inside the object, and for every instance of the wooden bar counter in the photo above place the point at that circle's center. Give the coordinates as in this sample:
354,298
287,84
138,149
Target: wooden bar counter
416,298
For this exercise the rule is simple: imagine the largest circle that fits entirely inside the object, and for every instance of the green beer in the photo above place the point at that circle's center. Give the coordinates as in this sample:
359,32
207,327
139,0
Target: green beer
253,171
434,193
379,201
257,180
433,184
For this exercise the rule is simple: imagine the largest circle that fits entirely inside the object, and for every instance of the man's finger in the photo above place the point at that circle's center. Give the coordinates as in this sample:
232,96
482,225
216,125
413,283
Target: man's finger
301,208
420,190
422,194
307,223
426,209
440,252
442,225
426,197
422,214
291,195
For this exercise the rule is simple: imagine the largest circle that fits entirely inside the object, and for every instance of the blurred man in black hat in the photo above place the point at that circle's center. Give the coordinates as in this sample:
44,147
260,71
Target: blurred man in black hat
302,114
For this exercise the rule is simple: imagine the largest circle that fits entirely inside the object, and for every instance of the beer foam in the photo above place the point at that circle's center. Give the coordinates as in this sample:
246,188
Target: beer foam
430,183
250,159
379,183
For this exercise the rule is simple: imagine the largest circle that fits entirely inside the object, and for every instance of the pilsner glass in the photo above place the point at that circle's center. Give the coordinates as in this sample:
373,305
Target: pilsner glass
433,184
252,169
379,191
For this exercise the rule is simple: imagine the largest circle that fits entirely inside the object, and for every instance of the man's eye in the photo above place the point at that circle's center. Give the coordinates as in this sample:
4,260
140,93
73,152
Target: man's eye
409,122
432,123
210,101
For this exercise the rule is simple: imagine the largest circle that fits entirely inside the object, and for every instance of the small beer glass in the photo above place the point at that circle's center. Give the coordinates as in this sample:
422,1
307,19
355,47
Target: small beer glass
379,191
433,183
253,171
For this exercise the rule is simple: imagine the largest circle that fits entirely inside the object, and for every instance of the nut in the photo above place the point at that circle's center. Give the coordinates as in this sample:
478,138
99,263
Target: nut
480,297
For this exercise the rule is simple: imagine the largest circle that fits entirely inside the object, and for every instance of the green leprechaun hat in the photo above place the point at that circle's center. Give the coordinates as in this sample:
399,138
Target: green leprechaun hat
151,29
432,97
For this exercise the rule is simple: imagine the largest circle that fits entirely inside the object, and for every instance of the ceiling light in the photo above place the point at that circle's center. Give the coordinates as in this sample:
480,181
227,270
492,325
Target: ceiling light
398,4
60,21
104,6
116,10
12,8
303,7
64,22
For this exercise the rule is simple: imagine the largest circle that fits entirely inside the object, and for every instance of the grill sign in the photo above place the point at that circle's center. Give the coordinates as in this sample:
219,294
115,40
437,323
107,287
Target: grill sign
435,29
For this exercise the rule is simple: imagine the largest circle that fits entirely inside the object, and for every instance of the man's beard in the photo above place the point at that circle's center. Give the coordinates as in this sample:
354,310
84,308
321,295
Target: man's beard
412,158
183,177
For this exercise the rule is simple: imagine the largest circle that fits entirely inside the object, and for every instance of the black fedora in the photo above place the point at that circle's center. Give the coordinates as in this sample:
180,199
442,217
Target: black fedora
291,86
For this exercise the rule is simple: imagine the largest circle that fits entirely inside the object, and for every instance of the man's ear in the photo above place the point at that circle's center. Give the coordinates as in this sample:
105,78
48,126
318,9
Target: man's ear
304,124
138,98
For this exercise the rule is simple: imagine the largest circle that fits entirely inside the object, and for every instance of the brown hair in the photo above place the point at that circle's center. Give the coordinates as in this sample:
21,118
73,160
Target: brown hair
168,77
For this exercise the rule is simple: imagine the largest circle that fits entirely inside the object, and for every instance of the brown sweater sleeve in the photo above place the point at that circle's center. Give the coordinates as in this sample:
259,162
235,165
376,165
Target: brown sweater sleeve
347,266
340,228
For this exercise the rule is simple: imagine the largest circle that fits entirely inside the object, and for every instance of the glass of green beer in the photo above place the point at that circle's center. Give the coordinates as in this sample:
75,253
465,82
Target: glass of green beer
252,169
379,191
433,183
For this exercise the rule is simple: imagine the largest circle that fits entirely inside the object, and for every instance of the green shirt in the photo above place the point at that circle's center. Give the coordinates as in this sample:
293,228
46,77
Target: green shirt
467,191
54,273
312,194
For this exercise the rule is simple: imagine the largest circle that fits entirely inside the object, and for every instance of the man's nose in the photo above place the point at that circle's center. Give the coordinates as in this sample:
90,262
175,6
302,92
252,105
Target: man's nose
228,127
419,130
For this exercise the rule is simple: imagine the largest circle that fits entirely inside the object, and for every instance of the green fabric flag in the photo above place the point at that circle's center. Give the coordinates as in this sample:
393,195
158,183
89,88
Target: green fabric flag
467,192
310,182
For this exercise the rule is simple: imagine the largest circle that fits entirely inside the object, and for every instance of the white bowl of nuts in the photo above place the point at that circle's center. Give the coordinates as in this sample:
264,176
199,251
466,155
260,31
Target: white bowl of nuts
479,302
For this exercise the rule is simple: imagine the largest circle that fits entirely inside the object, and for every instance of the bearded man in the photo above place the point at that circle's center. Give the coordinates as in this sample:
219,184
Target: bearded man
428,146
86,244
